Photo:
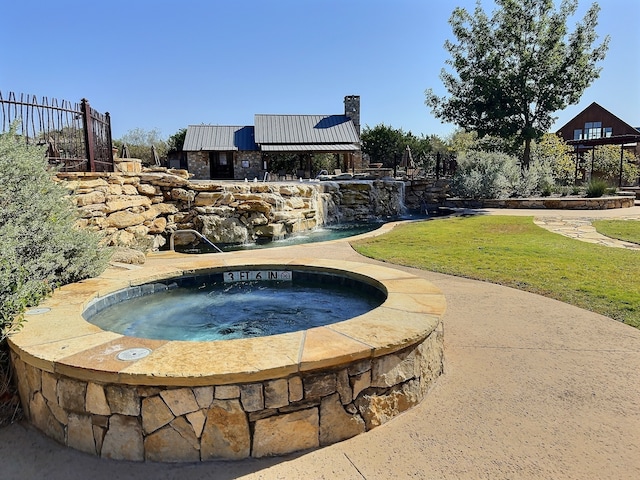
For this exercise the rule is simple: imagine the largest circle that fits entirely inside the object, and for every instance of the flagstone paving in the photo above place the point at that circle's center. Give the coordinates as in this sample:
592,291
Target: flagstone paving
582,229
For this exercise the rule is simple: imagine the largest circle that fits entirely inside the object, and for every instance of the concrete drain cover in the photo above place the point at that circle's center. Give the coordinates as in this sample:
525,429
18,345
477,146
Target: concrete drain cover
37,311
132,354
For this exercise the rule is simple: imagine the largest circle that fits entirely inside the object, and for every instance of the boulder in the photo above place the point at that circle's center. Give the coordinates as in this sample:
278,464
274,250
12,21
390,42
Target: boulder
282,434
124,219
336,424
226,431
123,439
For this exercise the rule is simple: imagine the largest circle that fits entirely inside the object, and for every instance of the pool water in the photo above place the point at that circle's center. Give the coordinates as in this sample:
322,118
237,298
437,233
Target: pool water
222,311
322,234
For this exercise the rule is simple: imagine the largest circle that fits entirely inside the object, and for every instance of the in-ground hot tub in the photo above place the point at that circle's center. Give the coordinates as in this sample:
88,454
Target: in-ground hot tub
230,304
134,398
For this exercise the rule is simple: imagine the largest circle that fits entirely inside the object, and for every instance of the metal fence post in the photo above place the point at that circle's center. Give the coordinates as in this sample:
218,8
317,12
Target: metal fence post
87,123
107,117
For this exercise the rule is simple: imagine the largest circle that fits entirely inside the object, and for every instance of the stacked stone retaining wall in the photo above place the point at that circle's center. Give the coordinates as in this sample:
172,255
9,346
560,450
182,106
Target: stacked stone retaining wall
133,209
187,424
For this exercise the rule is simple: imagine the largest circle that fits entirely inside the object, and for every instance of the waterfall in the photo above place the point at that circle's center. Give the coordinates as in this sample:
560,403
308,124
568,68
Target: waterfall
402,206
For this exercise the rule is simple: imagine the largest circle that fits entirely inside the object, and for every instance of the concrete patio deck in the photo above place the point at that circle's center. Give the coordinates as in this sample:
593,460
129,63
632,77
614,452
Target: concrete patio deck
533,388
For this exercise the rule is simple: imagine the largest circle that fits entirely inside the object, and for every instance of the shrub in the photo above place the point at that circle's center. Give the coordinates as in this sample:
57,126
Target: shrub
537,179
41,248
596,188
497,175
482,175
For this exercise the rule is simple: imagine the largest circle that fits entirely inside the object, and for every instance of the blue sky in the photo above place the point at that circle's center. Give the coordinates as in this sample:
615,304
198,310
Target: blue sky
159,64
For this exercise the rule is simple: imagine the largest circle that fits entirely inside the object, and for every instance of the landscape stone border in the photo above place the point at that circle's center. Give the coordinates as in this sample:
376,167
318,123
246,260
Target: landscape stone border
197,401
551,203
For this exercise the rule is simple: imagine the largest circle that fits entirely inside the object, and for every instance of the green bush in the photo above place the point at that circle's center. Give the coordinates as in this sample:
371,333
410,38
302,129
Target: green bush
606,164
596,188
497,175
482,175
41,248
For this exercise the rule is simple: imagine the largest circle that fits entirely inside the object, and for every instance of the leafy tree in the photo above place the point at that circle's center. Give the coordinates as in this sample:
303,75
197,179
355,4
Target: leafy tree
323,161
461,141
283,162
551,150
515,69
386,145
383,144
606,164
176,141
139,142
41,247
438,144
420,146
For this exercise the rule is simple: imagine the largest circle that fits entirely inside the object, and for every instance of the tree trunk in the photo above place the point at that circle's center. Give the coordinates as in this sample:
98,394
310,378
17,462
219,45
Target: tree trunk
526,156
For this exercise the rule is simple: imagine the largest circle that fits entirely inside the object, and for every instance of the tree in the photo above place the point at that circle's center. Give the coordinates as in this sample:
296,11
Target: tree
460,141
551,150
606,164
420,146
515,69
386,145
383,144
438,145
176,141
139,142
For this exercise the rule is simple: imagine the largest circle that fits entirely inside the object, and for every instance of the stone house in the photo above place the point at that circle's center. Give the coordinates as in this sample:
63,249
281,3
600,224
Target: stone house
225,152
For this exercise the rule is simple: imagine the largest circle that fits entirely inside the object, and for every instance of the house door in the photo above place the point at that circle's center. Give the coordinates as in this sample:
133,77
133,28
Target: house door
221,164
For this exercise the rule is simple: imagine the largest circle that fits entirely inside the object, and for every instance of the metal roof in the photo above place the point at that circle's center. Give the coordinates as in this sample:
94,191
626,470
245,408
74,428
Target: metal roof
315,147
304,129
219,138
613,140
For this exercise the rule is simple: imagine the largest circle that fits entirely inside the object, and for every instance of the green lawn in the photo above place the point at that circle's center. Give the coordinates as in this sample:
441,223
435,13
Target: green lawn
627,230
513,251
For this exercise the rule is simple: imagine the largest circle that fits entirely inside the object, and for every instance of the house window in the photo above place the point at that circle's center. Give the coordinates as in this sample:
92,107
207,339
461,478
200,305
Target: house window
593,130
608,131
577,134
222,159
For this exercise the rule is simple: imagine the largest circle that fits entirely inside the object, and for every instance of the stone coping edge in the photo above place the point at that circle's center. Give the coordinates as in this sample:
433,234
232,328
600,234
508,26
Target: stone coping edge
553,203
59,340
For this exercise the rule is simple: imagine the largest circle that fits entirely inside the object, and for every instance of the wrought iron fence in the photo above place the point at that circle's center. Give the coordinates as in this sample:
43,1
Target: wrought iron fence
77,137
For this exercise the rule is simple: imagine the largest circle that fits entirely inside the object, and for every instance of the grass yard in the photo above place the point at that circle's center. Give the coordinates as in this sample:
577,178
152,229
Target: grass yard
512,251
627,230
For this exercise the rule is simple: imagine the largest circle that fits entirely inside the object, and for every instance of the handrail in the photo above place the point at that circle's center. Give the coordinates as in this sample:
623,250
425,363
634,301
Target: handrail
197,234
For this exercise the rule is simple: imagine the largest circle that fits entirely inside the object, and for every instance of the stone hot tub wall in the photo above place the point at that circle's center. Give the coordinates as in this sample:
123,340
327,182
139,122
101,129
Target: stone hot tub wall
188,401
130,209
273,417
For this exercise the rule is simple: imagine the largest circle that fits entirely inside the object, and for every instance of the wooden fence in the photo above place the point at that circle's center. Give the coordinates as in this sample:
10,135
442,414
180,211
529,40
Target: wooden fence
77,137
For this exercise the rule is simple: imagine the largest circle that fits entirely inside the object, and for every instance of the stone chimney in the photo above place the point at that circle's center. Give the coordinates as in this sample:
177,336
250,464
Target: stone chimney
352,110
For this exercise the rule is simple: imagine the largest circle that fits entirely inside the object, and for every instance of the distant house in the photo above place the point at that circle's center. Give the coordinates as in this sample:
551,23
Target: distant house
239,152
597,126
